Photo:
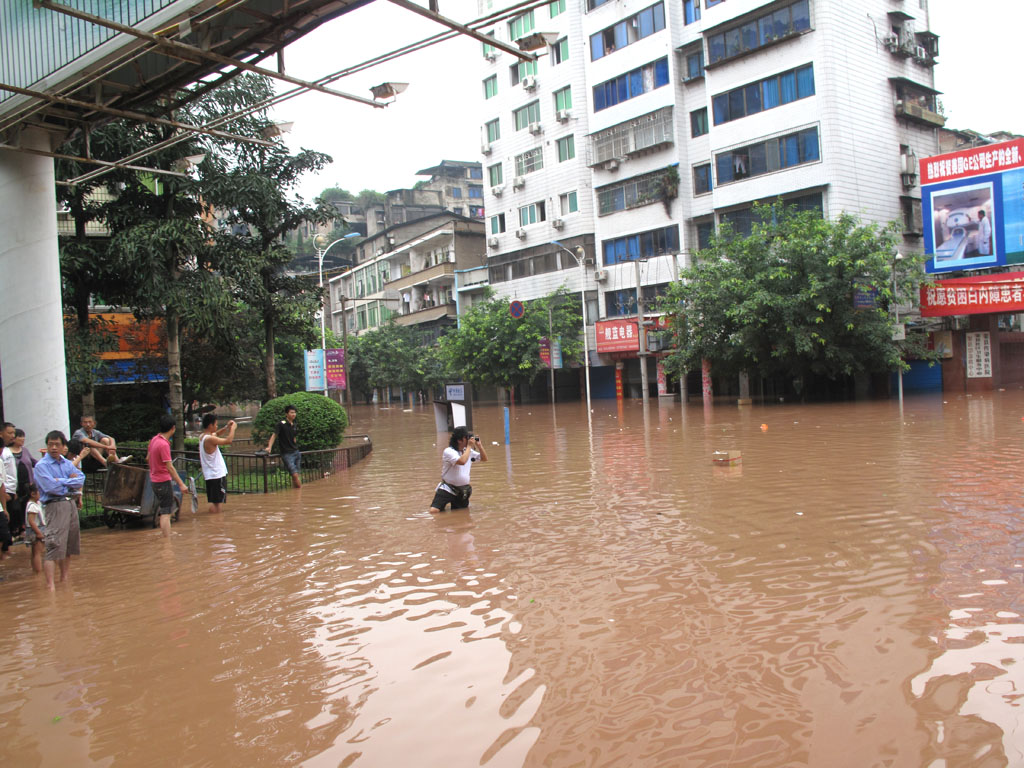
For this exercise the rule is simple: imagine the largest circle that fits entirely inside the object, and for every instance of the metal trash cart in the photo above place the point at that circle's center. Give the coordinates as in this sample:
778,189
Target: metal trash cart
128,497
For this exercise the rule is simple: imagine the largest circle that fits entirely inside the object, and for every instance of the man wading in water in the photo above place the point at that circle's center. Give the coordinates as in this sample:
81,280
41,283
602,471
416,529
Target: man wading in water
456,461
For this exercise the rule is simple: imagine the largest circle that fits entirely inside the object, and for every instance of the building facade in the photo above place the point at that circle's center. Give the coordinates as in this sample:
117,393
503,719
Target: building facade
684,114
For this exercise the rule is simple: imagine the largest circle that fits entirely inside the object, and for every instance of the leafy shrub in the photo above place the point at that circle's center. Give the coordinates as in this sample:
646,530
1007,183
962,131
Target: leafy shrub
130,421
322,422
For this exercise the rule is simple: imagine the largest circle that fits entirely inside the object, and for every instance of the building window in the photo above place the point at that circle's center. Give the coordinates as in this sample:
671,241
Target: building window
592,4
476,211
705,231
531,214
567,203
699,122
563,99
702,179
530,161
695,65
560,51
618,303
760,31
764,94
476,172
557,7
520,70
475,190
741,221
566,148
520,26
629,30
489,50
523,116
643,245
495,174
454,191
691,11
630,85
768,156
498,224
632,193
650,130
493,129
490,86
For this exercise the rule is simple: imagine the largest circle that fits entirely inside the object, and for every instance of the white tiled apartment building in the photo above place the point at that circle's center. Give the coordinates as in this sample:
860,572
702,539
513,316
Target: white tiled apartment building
825,103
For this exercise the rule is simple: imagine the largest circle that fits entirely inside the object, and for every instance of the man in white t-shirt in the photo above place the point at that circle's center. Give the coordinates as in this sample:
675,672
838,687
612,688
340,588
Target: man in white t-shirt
215,471
463,449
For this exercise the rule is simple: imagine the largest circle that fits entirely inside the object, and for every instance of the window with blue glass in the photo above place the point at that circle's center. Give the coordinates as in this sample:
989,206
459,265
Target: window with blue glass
630,85
695,64
742,220
699,122
475,190
760,31
702,179
691,11
768,156
764,94
619,303
643,245
629,30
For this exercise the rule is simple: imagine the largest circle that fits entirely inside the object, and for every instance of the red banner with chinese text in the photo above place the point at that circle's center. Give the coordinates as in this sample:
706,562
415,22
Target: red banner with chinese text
973,162
976,295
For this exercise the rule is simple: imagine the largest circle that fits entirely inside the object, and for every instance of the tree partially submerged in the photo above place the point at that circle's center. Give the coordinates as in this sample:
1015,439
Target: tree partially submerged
781,301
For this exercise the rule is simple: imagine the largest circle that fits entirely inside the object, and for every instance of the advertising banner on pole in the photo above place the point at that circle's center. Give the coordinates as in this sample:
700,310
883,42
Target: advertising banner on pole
315,381
335,365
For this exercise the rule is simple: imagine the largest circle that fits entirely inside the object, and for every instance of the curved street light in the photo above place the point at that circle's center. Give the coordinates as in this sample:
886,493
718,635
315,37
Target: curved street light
320,252
581,259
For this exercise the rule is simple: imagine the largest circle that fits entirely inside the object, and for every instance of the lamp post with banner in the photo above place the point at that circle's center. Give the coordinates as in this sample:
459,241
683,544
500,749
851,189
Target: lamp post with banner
581,260
321,250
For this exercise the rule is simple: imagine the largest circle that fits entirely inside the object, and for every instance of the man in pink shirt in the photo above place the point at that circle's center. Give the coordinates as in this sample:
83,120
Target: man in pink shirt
161,470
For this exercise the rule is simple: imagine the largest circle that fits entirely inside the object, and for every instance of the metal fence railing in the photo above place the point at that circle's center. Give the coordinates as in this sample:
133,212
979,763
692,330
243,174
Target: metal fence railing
247,472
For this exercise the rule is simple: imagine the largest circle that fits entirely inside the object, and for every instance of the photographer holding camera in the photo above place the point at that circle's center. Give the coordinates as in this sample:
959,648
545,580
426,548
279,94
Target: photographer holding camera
463,449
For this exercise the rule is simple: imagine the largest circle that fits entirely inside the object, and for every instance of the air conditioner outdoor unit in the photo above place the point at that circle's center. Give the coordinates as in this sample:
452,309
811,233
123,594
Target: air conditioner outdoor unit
557,223
492,242
518,182
611,165
892,42
921,53
496,191
491,55
908,163
536,128
530,82
600,275
485,149
564,115
521,234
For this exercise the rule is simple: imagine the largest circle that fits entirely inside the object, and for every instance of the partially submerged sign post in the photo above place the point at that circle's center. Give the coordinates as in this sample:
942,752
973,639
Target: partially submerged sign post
455,409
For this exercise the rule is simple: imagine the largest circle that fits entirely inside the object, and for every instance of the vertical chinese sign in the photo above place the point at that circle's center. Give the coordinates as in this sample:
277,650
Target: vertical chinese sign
335,365
979,355
315,380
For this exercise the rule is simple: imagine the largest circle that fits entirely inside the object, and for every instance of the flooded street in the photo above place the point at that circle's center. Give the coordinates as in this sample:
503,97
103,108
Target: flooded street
848,594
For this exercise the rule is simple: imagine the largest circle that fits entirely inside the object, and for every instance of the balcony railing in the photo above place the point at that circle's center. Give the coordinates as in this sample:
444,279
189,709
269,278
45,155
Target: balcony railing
445,269
427,314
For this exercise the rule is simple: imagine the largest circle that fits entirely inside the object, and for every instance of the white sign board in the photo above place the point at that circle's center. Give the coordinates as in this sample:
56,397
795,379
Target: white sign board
979,355
455,391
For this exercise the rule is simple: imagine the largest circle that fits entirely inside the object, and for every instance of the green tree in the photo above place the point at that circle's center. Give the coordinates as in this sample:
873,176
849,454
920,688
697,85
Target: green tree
491,347
781,300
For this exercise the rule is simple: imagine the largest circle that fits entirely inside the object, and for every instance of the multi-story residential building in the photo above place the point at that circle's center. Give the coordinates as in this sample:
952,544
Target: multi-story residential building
687,112
407,272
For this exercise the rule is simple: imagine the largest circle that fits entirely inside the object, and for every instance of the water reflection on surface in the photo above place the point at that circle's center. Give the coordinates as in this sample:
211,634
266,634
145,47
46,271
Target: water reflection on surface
848,594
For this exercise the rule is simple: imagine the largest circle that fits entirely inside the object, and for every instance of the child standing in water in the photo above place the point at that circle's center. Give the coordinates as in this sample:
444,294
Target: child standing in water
35,532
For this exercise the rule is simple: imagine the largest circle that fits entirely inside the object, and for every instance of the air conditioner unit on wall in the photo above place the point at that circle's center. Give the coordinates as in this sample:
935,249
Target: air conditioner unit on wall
600,275
557,223
492,241
491,55
892,42
530,82
496,191
536,128
521,234
611,165
518,182
921,54
564,115
485,149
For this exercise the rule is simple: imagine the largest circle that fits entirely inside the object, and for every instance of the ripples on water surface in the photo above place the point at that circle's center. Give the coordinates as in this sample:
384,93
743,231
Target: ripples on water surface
848,595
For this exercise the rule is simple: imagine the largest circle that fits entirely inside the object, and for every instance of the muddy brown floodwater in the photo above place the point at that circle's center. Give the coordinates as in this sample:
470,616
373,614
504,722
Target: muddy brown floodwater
849,594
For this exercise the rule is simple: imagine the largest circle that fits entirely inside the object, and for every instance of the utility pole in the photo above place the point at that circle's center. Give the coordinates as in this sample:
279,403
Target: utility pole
344,346
551,363
641,326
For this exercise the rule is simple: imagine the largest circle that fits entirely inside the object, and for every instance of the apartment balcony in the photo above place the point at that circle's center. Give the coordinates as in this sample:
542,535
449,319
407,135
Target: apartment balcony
919,113
427,315
430,274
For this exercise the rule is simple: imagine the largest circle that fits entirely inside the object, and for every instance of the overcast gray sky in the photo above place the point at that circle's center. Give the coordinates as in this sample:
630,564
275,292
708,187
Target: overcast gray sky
438,117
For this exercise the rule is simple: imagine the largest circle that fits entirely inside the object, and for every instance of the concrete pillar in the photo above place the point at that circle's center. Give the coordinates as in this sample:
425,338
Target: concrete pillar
744,398
32,365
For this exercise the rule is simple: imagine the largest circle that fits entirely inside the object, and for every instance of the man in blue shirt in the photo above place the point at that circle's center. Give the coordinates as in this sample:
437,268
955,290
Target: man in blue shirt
59,482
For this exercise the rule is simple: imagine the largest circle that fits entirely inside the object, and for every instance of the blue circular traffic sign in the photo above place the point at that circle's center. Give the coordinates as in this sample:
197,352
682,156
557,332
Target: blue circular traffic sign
516,309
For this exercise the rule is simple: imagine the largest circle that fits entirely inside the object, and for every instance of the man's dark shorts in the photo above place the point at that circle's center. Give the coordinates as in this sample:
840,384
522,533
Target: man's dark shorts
443,498
217,490
5,533
292,462
164,497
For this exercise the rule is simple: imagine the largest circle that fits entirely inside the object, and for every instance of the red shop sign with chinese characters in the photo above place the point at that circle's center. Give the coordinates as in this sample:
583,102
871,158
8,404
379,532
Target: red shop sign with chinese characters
976,295
973,162
621,335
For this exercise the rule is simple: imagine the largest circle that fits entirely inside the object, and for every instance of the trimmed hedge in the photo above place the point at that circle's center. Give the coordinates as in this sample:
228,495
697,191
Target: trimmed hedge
322,422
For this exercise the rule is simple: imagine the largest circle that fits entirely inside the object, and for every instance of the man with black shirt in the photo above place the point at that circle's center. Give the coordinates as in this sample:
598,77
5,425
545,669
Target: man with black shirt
287,434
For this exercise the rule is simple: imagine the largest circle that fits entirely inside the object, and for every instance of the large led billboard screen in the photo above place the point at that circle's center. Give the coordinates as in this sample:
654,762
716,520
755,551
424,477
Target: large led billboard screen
972,204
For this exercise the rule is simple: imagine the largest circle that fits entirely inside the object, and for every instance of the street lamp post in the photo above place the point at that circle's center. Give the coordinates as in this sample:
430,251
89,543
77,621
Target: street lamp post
320,253
580,256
